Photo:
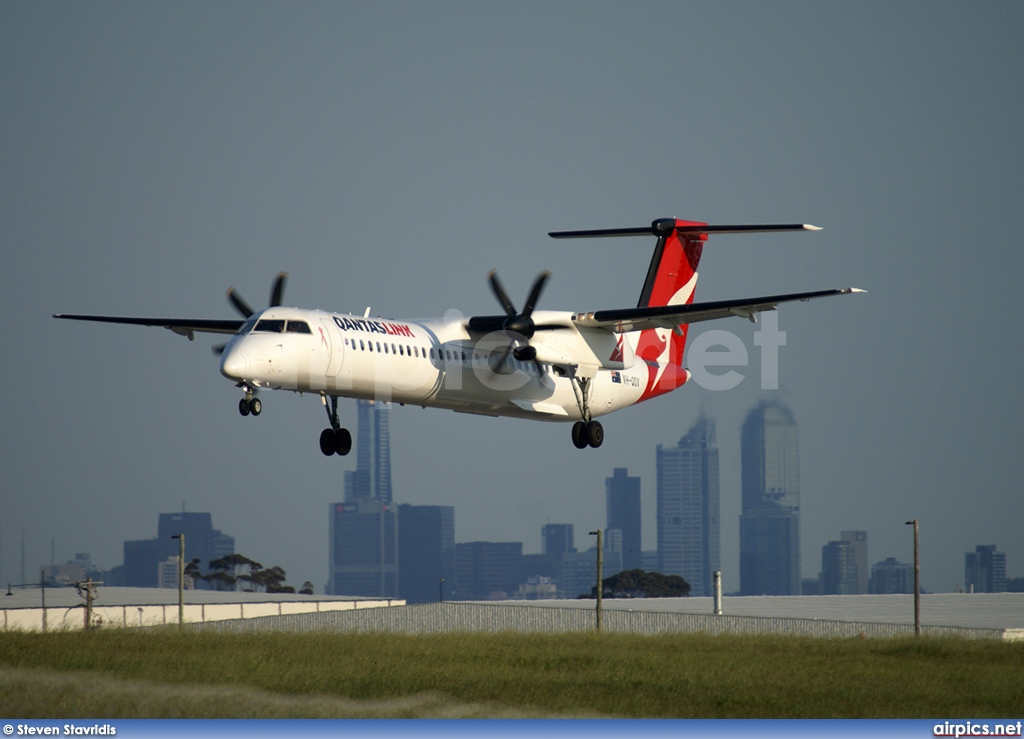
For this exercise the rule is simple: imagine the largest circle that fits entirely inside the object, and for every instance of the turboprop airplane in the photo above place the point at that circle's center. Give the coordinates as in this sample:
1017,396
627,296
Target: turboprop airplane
535,364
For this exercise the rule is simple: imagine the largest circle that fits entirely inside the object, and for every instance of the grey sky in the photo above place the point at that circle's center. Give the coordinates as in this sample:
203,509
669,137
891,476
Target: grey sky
390,154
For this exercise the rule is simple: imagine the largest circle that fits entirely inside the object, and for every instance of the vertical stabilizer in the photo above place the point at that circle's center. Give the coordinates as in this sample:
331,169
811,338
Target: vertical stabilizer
671,279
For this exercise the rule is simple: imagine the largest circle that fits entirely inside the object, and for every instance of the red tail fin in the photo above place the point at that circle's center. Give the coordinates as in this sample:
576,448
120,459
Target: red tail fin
671,280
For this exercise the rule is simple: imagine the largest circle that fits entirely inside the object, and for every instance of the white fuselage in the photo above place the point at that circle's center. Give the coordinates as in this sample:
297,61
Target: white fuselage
434,363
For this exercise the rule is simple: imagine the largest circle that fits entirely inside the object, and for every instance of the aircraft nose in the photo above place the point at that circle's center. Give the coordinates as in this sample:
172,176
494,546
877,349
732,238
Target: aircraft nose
234,365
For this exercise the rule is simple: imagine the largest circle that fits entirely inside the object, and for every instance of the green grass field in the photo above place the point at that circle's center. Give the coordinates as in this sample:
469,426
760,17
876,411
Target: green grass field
136,673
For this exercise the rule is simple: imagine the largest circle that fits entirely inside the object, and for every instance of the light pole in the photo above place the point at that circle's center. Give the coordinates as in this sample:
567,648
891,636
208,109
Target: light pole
600,562
440,591
181,578
917,580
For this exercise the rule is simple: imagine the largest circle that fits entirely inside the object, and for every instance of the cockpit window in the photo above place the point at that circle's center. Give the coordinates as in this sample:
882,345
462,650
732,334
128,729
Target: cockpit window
298,327
247,326
270,326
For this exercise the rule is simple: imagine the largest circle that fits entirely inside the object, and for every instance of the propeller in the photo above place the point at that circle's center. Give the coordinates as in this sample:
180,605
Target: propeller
246,311
518,326
276,293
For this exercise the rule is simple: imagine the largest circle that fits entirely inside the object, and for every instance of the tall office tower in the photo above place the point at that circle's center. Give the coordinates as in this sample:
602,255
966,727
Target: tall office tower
985,570
364,549
488,570
890,576
770,520
622,497
838,568
372,475
142,558
556,539
858,541
688,508
426,552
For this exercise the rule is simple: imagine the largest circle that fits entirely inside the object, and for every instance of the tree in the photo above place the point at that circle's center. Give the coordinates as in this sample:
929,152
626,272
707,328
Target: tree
641,584
307,588
227,572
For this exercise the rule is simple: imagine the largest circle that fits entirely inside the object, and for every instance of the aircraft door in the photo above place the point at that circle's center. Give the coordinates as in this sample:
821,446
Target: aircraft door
335,347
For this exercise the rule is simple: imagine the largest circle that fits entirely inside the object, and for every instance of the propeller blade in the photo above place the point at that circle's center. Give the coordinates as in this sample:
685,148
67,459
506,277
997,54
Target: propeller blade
277,293
500,293
499,366
218,349
240,305
535,291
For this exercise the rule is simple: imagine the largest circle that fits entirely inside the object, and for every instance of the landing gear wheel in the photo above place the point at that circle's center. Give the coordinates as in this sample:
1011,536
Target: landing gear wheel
595,434
327,442
243,407
579,435
342,442
255,406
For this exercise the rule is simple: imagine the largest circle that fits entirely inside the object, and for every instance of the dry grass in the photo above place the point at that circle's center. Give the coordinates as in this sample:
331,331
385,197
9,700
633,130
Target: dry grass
146,673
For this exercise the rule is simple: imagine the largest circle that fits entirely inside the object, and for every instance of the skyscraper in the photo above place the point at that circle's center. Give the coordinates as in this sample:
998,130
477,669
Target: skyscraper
372,475
488,570
890,576
858,541
426,552
142,557
838,568
622,497
556,539
363,536
985,570
688,508
770,521
364,549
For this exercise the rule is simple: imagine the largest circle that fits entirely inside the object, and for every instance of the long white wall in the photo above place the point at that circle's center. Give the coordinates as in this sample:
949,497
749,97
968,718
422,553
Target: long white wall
60,617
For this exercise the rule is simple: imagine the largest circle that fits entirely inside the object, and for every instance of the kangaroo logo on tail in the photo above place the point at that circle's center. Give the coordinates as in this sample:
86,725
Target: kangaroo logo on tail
671,280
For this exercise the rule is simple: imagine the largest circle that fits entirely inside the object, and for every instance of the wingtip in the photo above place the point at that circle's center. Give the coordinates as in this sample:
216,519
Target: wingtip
811,227
849,290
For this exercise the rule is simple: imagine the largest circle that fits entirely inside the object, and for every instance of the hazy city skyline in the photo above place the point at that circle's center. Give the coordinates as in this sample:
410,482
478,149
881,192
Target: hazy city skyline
389,155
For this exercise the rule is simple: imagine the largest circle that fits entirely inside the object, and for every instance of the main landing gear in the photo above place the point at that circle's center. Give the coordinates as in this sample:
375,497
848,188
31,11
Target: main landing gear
334,440
586,432
589,433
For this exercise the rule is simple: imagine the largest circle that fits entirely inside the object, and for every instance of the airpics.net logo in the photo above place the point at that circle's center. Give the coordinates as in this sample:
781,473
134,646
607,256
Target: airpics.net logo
700,357
715,358
969,728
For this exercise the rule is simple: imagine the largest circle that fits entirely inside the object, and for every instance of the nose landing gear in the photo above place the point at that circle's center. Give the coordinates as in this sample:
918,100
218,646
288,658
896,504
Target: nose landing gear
250,403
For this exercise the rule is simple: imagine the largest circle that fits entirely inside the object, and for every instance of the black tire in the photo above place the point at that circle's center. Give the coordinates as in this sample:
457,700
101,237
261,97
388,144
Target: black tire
579,435
595,434
327,442
342,442
243,407
255,406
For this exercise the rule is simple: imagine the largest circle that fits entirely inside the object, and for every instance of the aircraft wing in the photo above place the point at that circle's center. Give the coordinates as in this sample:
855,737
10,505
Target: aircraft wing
671,316
180,326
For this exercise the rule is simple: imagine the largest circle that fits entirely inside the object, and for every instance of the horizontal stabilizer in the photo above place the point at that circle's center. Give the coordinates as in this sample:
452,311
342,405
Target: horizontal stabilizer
665,225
